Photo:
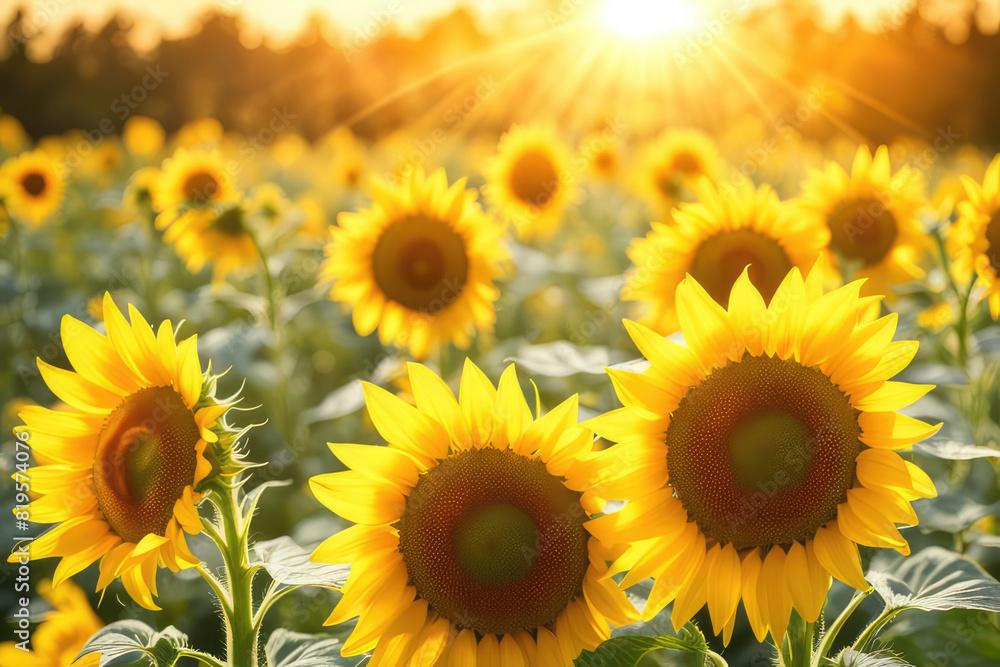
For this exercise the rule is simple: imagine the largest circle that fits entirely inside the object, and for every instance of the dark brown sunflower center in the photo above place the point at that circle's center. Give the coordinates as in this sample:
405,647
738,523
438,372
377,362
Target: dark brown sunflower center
421,263
687,163
33,183
229,222
993,241
720,259
494,542
668,182
862,230
533,179
145,458
762,451
200,187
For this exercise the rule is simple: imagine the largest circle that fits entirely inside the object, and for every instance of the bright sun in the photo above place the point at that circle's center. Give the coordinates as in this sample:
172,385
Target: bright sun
639,19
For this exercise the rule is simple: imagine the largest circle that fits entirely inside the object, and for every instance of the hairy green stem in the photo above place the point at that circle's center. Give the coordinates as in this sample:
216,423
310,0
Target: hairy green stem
826,643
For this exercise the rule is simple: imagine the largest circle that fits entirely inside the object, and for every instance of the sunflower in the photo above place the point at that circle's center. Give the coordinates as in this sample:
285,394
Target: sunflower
974,239
419,265
714,240
143,136
529,179
870,218
57,640
31,186
217,236
678,159
470,544
193,178
761,454
121,477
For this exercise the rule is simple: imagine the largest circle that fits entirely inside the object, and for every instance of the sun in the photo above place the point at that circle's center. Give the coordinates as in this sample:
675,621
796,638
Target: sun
644,19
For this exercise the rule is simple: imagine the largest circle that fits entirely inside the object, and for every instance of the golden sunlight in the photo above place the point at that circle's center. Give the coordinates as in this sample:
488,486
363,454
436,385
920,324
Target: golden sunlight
644,19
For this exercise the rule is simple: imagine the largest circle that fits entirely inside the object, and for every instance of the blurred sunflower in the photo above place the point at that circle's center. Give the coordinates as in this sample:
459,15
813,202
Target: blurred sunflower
974,239
193,178
871,218
713,240
529,179
122,477
143,137
314,223
470,544
31,186
419,265
57,640
346,166
139,192
217,236
268,200
679,158
602,155
762,452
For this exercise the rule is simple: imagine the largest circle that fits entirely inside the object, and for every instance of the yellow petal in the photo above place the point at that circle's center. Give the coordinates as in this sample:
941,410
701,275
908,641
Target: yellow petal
386,464
357,498
543,433
462,652
748,313
668,357
78,391
352,542
707,327
806,580
404,426
435,399
839,555
394,648
892,396
883,468
892,430
513,415
431,643
724,578
750,568
476,397
772,594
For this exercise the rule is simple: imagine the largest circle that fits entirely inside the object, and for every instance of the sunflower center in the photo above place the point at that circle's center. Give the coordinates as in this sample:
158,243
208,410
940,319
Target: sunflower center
494,542
145,458
993,241
668,182
229,222
421,263
200,187
687,164
762,451
862,229
33,183
720,259
533,179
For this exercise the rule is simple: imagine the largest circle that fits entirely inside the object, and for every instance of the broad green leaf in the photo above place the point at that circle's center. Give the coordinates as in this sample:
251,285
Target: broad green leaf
852,658
955,450
562,359
951,512
956,638
134,643
628,650
935,579
289,564
295,649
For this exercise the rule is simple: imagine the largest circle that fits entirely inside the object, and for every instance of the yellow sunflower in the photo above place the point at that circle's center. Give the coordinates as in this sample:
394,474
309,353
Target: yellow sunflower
761,453
870,218
143,136
193,178
471,543
57,640
974,239
678,159
529,179
31,186
217,236
419,265
121,477
714,240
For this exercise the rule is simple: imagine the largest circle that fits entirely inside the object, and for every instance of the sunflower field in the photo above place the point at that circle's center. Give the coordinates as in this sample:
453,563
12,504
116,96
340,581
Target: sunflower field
537,334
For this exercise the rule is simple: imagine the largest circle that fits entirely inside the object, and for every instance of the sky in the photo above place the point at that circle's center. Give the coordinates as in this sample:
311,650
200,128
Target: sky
283,19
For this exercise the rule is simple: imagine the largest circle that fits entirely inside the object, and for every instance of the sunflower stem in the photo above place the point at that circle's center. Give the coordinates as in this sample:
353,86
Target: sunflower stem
961,326
203,658
241,631
830,636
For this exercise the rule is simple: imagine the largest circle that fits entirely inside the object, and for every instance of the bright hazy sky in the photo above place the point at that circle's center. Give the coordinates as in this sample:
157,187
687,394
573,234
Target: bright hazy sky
284,18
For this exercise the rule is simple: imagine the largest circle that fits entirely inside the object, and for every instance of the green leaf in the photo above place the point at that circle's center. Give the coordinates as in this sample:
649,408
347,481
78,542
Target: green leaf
134,643
562,359
935,579
852,658
628,650
954,450
956,638
289,564
951,512
295,649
